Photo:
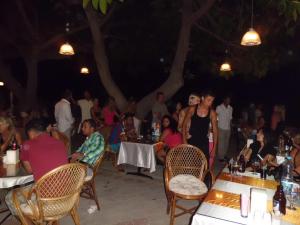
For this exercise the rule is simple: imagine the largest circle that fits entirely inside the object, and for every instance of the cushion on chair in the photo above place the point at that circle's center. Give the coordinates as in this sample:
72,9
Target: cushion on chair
89,175
26,209
186,184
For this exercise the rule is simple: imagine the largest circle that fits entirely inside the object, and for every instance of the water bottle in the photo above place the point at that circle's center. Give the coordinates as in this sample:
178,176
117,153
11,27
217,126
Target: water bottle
287,173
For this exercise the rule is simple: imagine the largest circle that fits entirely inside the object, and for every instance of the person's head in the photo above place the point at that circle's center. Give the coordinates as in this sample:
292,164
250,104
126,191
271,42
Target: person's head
96,102
226,100
88,127
6,124
128,119
296,139
67,95
160,97
87,95
178,106
194,98
208,98
35,127
265,135
169,122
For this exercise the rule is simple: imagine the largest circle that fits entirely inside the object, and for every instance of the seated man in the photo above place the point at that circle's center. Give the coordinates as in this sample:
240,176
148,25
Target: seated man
39,155
93,146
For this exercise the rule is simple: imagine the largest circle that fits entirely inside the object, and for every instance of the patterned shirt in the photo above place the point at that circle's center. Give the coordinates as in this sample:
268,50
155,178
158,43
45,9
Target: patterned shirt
92,148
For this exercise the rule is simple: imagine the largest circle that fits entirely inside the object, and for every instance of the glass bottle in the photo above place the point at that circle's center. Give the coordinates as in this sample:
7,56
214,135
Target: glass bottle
279,201
242,164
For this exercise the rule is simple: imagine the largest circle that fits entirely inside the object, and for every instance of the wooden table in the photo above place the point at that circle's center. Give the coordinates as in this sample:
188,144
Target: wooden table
222,204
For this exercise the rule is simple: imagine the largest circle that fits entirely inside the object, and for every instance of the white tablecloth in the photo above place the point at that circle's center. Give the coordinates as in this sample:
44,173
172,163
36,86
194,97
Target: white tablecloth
211,214
137,154
8,182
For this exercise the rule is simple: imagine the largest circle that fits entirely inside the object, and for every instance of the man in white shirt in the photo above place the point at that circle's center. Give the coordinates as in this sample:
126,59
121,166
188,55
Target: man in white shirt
224,112
85,105
63,114
159,108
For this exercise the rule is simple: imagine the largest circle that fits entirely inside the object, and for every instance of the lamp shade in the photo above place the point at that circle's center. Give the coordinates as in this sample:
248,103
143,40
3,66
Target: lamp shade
251,38
66,49
1,83
84,70
225,67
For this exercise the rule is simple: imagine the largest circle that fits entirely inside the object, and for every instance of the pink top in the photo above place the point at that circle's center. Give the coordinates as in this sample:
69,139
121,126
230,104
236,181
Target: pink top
173,139
108,116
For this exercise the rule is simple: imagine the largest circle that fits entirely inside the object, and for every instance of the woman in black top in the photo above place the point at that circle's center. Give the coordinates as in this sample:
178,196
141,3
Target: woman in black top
199,117
263,148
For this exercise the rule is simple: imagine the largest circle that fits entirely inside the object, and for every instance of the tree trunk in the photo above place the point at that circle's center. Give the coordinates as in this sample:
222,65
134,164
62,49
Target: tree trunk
10,82
102,61
32,79
175,80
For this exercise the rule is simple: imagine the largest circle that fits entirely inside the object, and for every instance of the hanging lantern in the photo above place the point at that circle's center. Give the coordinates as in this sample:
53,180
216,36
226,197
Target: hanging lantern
225,67
251,38
66,49
1,83
84,70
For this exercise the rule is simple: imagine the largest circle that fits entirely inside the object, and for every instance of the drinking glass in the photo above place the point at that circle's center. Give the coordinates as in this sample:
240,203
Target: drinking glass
292,195
255,164
235,167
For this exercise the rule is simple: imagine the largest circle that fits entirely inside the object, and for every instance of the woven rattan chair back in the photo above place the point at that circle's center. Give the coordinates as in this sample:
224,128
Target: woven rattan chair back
186,159
98,163
58,191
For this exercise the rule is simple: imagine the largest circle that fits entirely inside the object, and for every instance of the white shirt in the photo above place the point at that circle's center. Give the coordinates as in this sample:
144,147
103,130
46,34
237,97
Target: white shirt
63,115
85,106
224,116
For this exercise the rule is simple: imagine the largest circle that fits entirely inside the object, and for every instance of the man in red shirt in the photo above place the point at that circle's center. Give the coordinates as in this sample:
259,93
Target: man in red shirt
40,154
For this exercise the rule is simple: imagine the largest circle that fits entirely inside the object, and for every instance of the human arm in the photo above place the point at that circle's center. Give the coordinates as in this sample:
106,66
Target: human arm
164,134
186,121
93,148
68,114
27,167
214,124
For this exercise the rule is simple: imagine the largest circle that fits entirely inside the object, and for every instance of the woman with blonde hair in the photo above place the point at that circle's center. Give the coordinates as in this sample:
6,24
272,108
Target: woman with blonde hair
8,134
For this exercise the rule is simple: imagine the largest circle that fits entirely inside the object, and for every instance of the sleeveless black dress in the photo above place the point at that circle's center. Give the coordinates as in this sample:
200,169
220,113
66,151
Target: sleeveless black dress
199,132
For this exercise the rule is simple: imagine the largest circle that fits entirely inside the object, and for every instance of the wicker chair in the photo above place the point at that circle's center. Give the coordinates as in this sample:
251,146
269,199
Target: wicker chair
185,171
54,196
89,189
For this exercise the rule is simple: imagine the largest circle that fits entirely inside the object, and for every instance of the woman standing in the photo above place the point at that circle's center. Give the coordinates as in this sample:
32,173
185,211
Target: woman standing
199,117
8,134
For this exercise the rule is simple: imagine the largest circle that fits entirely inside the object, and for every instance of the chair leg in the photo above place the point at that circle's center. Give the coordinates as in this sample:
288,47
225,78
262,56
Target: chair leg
169,202
173,208
75,216
95,195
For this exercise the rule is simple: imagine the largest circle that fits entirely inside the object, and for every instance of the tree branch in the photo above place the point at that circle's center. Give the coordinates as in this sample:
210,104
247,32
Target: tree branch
202,11
217,37
26,20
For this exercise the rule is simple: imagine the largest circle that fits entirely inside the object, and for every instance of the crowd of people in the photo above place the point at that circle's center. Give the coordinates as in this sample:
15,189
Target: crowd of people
48,142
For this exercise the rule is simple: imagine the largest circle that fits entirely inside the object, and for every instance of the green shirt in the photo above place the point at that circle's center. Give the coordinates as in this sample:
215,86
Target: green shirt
92,148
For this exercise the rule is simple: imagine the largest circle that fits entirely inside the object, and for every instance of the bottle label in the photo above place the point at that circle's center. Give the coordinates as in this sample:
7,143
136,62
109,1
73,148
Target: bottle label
276,208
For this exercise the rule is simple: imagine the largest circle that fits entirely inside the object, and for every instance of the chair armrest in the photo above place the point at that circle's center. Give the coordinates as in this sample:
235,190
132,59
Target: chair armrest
208,178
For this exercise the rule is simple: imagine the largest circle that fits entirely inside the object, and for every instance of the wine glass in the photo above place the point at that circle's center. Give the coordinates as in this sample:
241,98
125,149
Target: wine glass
235,167
292,195
255,164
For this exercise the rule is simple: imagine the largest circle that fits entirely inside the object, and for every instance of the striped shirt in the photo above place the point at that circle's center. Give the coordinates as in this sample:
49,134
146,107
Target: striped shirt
92,148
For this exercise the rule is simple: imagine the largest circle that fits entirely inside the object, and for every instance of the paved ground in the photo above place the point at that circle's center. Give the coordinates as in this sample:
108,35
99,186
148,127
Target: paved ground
127,200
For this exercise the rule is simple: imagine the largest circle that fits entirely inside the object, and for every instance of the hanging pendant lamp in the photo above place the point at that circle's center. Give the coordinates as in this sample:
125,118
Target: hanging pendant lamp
251,37
225,67
84,70
66,48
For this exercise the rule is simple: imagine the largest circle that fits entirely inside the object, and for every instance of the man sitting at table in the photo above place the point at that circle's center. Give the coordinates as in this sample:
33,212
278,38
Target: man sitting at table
39,155
92,147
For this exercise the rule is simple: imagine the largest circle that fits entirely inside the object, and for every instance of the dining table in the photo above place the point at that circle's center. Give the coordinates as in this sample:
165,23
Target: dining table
11,175
221,206
139,154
